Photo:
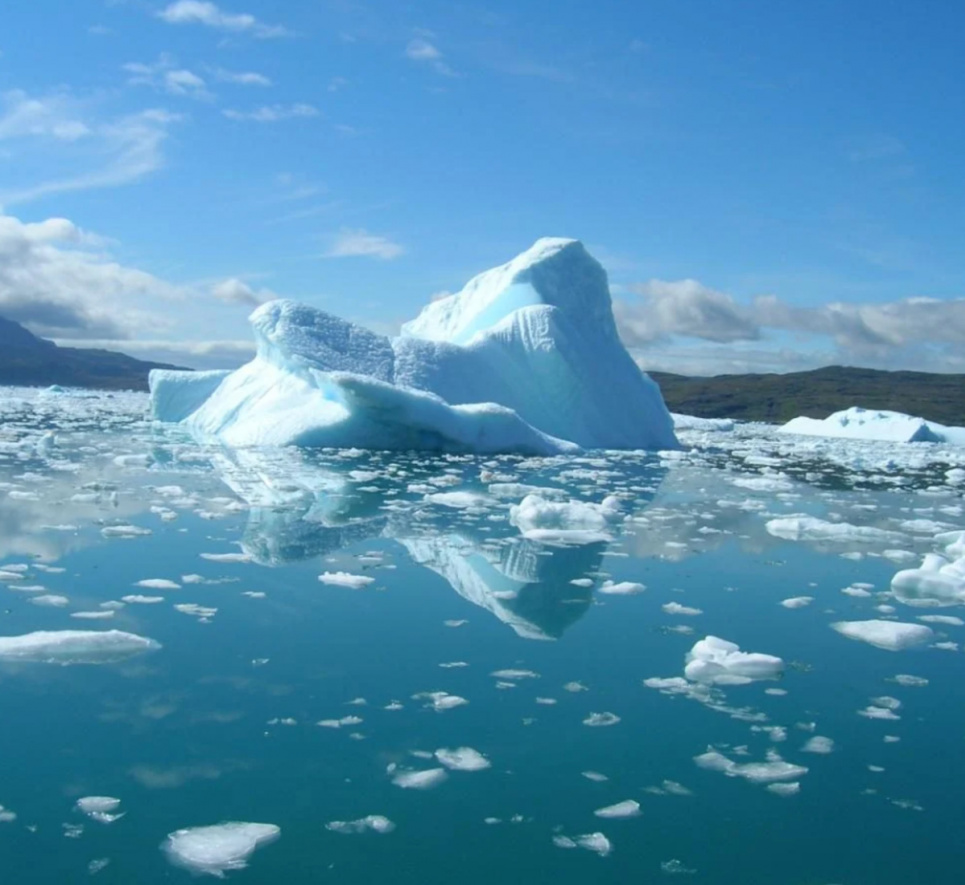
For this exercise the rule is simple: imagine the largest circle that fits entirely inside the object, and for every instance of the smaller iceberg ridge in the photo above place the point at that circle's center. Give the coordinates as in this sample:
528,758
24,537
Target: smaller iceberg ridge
525,359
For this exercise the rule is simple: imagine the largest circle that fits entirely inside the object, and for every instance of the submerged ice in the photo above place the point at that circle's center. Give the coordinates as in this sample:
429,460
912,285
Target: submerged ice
526,358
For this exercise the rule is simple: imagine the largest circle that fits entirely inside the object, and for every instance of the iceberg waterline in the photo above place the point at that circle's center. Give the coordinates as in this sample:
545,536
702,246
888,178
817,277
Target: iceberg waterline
525,359
873,424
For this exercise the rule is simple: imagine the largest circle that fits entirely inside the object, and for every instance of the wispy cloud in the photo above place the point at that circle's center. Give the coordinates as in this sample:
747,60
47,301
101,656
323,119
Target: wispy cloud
272,113
421,50
165,75
235,291
359,243
96,153
241,78
200,12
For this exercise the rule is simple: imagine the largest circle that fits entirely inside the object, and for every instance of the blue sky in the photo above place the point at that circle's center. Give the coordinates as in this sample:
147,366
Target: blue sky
771,186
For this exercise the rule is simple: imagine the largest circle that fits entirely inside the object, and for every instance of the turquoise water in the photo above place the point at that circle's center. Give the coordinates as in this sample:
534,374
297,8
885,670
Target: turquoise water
219,723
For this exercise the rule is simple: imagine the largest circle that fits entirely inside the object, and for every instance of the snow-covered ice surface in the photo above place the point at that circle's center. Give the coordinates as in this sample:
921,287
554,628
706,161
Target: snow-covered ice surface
526,358
454,667
858,423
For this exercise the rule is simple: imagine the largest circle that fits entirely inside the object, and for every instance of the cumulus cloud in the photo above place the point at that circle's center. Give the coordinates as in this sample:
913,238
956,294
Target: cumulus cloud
915,333
272,113
421,50
165,75
200,12
235,291
55,280
91,153
356,243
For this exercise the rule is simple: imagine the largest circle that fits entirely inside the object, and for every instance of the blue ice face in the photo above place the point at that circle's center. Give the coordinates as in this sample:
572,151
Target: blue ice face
513,298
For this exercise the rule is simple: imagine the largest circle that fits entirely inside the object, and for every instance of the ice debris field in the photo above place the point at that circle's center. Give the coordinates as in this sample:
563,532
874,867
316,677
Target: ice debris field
727,652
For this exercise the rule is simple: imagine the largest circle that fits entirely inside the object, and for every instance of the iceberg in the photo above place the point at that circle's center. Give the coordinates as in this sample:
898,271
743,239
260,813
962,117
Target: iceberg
74,646
525,359
870,424
939,580
216,849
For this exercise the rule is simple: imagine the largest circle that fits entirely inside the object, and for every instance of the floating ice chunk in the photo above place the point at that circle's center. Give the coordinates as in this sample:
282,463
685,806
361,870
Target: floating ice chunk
193,608
339,723
764,483
100,808
463,759
810,528
716,661
601,720
419,780
575,522
101,615
871,424
939,580
797,601
875,712
217,849
224,557
818,744
74,646
858,592
574,687
675,608
784,789
49,600
124,531
158,584
137,598
910,681
7,816
676,867
594,776
459,500
441,700
595,842
627,808
774,769
623,588
948,620
515,674
344,579
707,425
890,635
375,823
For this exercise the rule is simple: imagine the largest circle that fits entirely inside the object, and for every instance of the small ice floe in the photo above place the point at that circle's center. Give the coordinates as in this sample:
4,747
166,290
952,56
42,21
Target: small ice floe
715,661
463,759
627,808
856,591
202,612
226,557
138,599
100,615
882,708
548,702
623,588
7,816
158,584
773,769
582,582
74,646
49,600
574,687
572,522
455,623
514,675
95,866
889,635
124,531
810,528
669,788
594,776
440,700
218,849
797,601
818,744
910,681
460,500
375,823
676,867
784,789
453,665
344,722
100,808
675,608
601,720
595,842
254,594
947,620
344,579
939,580
417,780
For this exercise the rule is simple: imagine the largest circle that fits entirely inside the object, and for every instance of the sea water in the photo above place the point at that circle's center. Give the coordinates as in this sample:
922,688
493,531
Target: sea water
364,654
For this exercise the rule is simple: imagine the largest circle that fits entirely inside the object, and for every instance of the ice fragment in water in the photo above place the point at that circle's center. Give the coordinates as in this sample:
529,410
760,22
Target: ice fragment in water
627,808
74,646
344,579
890,635
217,849
716,661
463,759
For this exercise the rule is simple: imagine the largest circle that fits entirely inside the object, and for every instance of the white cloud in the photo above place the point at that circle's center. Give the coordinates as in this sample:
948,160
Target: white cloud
56,281
273,113
200,12
165,76
89,153
241,78
235,291
360,243
421,50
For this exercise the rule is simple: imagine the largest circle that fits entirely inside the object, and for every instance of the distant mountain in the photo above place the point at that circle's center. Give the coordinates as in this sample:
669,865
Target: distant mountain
30,361
816,394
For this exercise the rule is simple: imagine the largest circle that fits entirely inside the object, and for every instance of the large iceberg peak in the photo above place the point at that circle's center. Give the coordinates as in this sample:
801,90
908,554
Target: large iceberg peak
554,271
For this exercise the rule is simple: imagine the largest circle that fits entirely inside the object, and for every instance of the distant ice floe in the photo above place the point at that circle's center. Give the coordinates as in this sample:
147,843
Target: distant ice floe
74,646
595,842
708,425
769,771
869,424
810,528
463,759
526,358
374,823
889,635
218,849
797,601
344,579
715,661
100,808
418,780
939,580
601,720
627,808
